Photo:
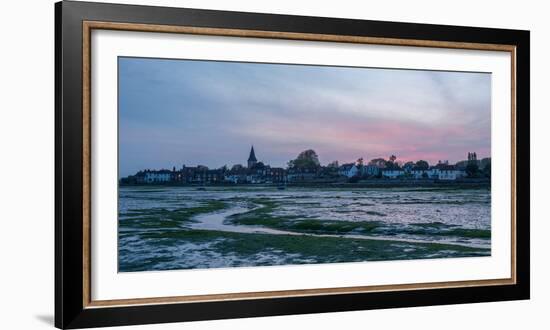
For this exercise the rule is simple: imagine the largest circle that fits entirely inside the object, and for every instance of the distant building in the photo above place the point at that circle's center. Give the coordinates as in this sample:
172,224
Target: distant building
276,175
252,158
237,174
300,174
370,170
157,176
199,174
349,170
392,173
255,172
445,172
420,173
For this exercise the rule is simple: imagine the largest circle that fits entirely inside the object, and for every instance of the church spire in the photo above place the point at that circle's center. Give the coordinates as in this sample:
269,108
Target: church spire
252,158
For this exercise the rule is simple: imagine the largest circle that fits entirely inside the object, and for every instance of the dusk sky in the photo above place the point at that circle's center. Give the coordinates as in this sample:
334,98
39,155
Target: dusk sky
175,112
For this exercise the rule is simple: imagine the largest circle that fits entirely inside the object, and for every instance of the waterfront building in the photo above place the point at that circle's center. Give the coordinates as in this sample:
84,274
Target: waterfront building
349,170
159,176
392,173
420,173
301,174
449,172
370,170
199,175
236,175
446,172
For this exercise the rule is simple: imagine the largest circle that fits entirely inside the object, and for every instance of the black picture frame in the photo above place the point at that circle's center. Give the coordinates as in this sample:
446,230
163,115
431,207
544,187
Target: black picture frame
70,309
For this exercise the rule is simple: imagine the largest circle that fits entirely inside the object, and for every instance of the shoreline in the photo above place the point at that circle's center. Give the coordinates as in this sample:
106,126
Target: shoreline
388,183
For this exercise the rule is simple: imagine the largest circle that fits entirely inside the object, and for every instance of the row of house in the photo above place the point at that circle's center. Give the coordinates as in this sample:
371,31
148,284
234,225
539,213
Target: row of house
258,172
267,174
442,171
184,175
255,172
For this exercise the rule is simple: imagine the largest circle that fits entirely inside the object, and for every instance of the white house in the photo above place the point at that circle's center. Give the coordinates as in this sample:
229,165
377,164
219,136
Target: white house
348,170
445,172
370,170
157,176
392,173
450,172
235,177
447,175
433,172
419,173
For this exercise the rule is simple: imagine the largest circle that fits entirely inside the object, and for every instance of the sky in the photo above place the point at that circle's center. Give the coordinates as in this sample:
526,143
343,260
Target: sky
176,112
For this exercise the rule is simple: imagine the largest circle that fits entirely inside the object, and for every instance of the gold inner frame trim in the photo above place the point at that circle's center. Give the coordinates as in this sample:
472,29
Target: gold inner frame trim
88,26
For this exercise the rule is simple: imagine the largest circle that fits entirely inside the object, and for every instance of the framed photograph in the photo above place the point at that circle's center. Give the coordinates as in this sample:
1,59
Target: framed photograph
214,164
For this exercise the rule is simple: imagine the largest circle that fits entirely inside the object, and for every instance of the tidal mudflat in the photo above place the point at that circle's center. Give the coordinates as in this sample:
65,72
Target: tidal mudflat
166,227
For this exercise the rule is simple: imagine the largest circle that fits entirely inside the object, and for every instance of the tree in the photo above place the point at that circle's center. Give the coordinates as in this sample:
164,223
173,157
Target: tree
378,162
359,163
472,169
408,166
258,166
333,164
237,167
422,165
307,159
391,164
487,169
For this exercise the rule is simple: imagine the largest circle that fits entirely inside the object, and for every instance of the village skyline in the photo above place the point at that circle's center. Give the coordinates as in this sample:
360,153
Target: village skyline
306,167
284,164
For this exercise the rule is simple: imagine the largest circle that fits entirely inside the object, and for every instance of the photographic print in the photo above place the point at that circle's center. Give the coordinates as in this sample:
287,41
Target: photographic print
236,164
216,164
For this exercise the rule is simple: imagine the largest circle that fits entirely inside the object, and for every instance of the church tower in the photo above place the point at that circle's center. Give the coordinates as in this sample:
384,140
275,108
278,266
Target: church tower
252,158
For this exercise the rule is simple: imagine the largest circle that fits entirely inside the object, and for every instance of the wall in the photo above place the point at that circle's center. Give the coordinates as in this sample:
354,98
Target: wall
26,166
